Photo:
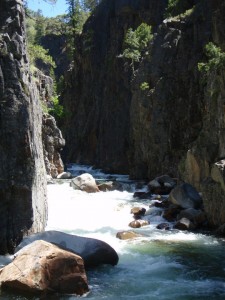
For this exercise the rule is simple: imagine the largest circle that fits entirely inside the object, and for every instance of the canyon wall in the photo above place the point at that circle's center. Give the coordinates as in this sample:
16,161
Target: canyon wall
176,124
98,88
22,172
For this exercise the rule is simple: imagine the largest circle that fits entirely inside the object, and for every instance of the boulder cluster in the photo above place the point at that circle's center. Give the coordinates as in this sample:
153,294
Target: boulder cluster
179,204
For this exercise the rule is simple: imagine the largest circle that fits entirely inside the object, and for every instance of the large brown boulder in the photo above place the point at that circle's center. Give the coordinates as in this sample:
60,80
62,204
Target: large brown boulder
85,182
43,267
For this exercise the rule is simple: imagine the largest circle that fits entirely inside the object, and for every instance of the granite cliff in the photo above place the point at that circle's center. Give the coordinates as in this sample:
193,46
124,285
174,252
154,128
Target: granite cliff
22,170
176,124
98,88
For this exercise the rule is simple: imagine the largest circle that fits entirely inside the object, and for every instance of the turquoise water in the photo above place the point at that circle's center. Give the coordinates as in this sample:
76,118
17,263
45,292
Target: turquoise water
163,265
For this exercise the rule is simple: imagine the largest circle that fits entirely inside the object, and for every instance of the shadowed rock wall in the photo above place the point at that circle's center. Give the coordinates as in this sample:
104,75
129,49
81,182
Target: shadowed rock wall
22,172
98,87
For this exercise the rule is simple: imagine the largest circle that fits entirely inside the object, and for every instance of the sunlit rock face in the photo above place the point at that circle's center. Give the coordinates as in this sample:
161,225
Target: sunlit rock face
22,171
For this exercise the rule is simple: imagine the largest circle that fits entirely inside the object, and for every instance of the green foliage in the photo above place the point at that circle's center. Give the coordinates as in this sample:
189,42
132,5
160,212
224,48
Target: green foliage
90,4
136,41
144,86
178,7
57,110
216,59
57,25
38,52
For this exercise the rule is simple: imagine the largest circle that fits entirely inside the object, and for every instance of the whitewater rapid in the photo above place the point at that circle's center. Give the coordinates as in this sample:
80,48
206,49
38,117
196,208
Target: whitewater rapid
161,265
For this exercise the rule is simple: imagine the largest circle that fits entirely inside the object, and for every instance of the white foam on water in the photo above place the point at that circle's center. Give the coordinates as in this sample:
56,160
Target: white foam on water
160,265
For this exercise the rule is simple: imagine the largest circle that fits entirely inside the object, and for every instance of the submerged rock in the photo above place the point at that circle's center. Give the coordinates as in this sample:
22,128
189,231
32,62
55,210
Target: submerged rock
127,235
42,267
163,226
94,252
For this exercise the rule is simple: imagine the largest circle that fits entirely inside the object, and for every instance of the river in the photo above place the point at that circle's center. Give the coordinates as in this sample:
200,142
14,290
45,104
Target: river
163,265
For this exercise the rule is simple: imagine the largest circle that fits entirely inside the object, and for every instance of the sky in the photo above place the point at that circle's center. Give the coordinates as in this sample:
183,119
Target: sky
48,10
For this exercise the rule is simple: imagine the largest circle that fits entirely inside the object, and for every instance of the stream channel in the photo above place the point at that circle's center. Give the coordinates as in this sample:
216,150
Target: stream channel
163,265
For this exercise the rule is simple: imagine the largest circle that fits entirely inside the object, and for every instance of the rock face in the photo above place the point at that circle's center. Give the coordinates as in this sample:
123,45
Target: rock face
53,142
57,47
52,139
98,89
22,171
176,125
42,267
202,165
94,252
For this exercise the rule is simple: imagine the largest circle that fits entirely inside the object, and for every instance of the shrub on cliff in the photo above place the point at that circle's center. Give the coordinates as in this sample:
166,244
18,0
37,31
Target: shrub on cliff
177,7
136,42
216,59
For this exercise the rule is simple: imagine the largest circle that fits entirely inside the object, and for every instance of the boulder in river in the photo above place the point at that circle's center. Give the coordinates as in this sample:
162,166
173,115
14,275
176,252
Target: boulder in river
42,267
197,216
162,185
186,196
138,211
138,223
85,182
94,252
184,224
127,235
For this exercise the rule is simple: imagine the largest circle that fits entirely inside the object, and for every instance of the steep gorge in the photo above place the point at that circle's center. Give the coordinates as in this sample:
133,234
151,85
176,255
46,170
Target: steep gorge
98,89
176,125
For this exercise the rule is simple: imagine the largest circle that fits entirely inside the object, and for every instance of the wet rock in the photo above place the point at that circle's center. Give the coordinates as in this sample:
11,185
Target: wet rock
162,185
184,224
163,226
221,230
64,175
94,252
42,267
138,223
142,195
161,204
127,235
138,211
171,213
198,217
186,196
106,186
85,182
110,186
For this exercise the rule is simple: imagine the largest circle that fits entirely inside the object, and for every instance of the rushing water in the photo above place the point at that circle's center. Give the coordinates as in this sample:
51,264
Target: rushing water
163,265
